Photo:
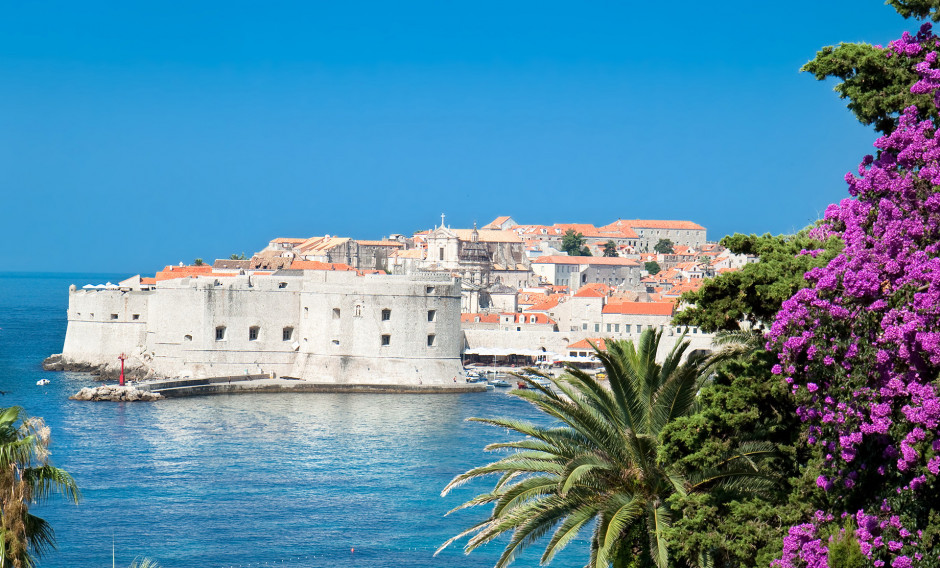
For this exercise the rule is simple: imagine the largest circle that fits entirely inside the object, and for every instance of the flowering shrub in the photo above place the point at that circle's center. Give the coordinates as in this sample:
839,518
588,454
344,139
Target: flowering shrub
861,347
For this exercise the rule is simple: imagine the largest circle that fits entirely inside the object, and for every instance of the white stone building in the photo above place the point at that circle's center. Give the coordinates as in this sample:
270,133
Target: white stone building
320,326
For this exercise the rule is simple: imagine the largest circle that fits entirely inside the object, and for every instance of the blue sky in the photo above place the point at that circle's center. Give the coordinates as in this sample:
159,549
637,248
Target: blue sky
134,135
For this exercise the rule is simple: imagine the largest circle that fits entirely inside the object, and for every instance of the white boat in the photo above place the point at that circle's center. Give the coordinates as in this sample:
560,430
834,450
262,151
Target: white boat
42,382
499,383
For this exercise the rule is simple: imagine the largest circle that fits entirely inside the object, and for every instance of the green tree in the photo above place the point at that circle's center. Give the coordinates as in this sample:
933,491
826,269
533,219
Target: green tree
573,243
599,464
742,403
877,87
664,246
238,257
652,267
198,262
26,478
610,249
755,293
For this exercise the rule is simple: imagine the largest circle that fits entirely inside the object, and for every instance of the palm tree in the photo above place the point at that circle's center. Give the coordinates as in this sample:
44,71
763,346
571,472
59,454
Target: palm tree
598,463
26,477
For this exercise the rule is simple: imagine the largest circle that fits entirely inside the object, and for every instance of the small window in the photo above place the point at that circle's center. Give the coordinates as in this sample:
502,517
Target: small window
386,314
608,328
429,289
518,328
616,328
253,332
220,333
584,326
336,342
336,313
431,340
287,333
306,312
187,337
626,328
135,317
358,311
532,319
386,339
597,327
639,328
476,319
432,314
92,315
282,284
114,316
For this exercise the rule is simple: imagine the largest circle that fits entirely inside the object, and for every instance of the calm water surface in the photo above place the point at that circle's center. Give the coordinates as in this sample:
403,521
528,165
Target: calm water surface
281,480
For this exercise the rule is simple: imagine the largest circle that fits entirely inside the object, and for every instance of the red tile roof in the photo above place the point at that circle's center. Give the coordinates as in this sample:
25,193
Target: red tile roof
317,265
661,224
640,308
586,343
593,290
484,318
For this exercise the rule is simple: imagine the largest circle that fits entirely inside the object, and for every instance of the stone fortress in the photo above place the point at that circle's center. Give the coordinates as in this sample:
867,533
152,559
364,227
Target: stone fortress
328,326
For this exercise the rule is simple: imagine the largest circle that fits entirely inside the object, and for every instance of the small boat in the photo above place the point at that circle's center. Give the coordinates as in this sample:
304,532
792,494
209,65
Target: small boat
500,383
522,385
42,382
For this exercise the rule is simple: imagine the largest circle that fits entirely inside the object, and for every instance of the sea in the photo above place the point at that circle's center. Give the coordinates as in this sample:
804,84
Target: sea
251,480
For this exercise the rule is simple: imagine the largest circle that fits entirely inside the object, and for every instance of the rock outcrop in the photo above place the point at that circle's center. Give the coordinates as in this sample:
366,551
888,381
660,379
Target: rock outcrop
105,371
116,393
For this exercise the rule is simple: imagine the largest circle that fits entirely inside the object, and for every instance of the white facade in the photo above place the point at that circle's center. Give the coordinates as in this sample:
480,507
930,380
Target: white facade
320,326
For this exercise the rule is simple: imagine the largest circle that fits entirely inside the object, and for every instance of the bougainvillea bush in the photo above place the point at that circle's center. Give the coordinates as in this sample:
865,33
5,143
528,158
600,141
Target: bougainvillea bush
861,350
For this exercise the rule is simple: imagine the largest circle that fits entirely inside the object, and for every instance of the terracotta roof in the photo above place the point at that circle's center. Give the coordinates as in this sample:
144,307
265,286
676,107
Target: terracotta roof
381,243
595,260
639,308
173,272
148,281
593,290
526,317
497,221
320,244
586,343
410,253
288,240
317,265
661,224
545,305
484,318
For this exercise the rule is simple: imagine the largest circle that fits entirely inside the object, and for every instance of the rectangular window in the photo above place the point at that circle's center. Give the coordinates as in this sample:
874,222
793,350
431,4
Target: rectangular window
386,314
220,333
135,317
253,332
336,342
386,339
336,313
431,340
597,327
639,328
626,328
114,316
429,289
616,328
431,314
608,328
584,327
287,333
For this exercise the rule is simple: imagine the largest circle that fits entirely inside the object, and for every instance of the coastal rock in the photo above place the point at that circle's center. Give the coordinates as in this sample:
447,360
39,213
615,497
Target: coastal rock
108,371
115,393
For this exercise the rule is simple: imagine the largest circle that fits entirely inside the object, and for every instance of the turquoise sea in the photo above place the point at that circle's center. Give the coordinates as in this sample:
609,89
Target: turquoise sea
280,480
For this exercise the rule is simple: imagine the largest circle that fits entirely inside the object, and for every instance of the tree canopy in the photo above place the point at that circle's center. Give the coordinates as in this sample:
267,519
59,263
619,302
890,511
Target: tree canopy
573,243
755,293
652,267
664,246
610,249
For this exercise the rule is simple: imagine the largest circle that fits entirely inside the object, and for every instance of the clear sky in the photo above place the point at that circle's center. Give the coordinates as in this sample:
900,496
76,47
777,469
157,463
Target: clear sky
139,134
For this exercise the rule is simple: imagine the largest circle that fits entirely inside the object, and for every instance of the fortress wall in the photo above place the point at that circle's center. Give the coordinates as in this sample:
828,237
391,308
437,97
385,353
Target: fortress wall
102,324
217,326
343,326
187,313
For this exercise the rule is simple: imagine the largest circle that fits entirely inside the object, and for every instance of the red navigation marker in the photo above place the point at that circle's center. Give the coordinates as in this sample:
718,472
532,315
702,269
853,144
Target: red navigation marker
123,358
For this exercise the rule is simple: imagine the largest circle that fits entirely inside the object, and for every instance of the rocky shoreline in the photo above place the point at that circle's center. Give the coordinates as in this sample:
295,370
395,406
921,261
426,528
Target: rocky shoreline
116,393
104,372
